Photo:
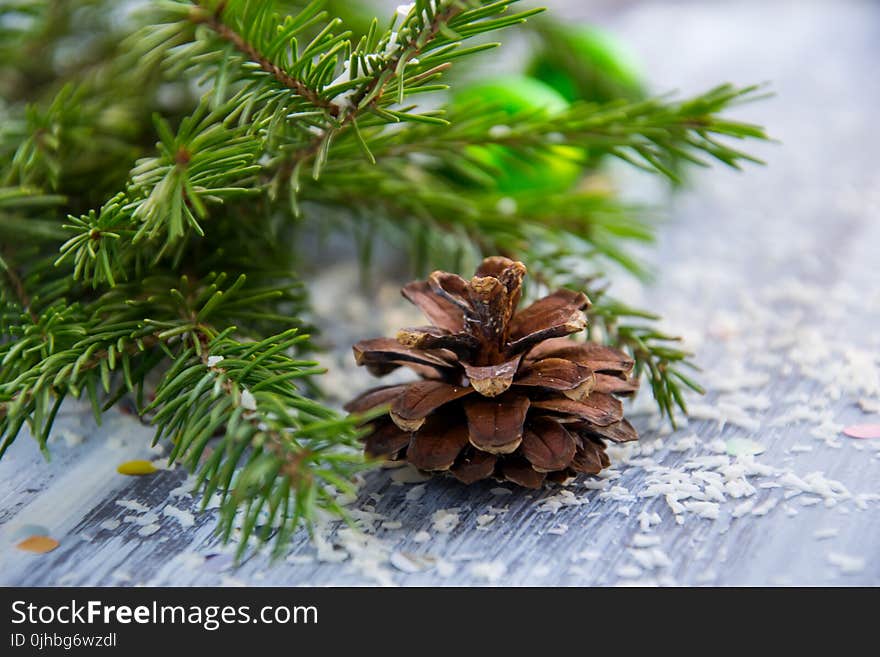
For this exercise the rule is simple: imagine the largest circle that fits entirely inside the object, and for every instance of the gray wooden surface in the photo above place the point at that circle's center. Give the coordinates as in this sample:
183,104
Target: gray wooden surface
772,274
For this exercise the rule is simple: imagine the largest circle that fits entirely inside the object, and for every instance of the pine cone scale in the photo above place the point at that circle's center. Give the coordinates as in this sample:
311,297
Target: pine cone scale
474,466
502,392
492,380
451,287
598,408
420,399
384,355
574,324
496,425
561,307
614,385
437,444
433,337
520,471
618,432
438,310
547,445
373,398
590,459
386,440
599,358
556,373
488,297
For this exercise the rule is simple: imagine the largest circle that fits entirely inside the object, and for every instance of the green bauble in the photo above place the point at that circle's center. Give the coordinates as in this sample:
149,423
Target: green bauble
555,170
513,93
587,63
356,16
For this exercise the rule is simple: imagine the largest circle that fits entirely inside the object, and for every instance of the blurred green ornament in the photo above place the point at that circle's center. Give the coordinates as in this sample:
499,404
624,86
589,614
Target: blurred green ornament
512,169
356,16
513,93
586,63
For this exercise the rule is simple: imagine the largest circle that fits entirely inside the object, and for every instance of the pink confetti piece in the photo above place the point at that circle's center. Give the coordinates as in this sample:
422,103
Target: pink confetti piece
863,431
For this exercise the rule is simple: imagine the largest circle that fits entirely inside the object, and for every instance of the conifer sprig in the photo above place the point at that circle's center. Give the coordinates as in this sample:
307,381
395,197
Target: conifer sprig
282,455
644,133
656,353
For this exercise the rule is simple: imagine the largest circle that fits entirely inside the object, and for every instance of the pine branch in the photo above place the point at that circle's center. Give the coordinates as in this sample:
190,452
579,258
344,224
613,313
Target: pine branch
165,200
27,213
279,451
58,353
645,133
252,396
430,26
654,352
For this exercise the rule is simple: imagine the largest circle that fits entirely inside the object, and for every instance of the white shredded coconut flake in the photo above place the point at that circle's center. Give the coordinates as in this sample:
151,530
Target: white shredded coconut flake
491,571
248,401
404,10
444,521
845,563
185,518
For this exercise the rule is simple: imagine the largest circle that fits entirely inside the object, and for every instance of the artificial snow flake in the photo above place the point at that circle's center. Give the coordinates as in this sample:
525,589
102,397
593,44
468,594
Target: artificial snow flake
185,518
404,10
248,401
488,570
845,563
444,520
645,540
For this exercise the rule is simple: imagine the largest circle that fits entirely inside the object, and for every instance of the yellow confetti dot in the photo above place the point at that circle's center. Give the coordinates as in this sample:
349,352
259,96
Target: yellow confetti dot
136,468
38,544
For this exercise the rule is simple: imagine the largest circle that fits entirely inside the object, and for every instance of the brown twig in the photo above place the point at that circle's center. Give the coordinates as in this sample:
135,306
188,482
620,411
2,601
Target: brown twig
23,298
215,22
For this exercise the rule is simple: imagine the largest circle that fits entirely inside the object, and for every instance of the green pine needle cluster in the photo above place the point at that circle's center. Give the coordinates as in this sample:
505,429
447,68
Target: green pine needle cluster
160,162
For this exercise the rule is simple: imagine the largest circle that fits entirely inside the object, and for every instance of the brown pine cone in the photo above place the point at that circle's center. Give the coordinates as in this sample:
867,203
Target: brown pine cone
503,393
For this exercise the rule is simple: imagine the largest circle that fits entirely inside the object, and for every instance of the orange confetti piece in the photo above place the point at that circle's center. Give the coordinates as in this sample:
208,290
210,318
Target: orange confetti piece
136,468
38,544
